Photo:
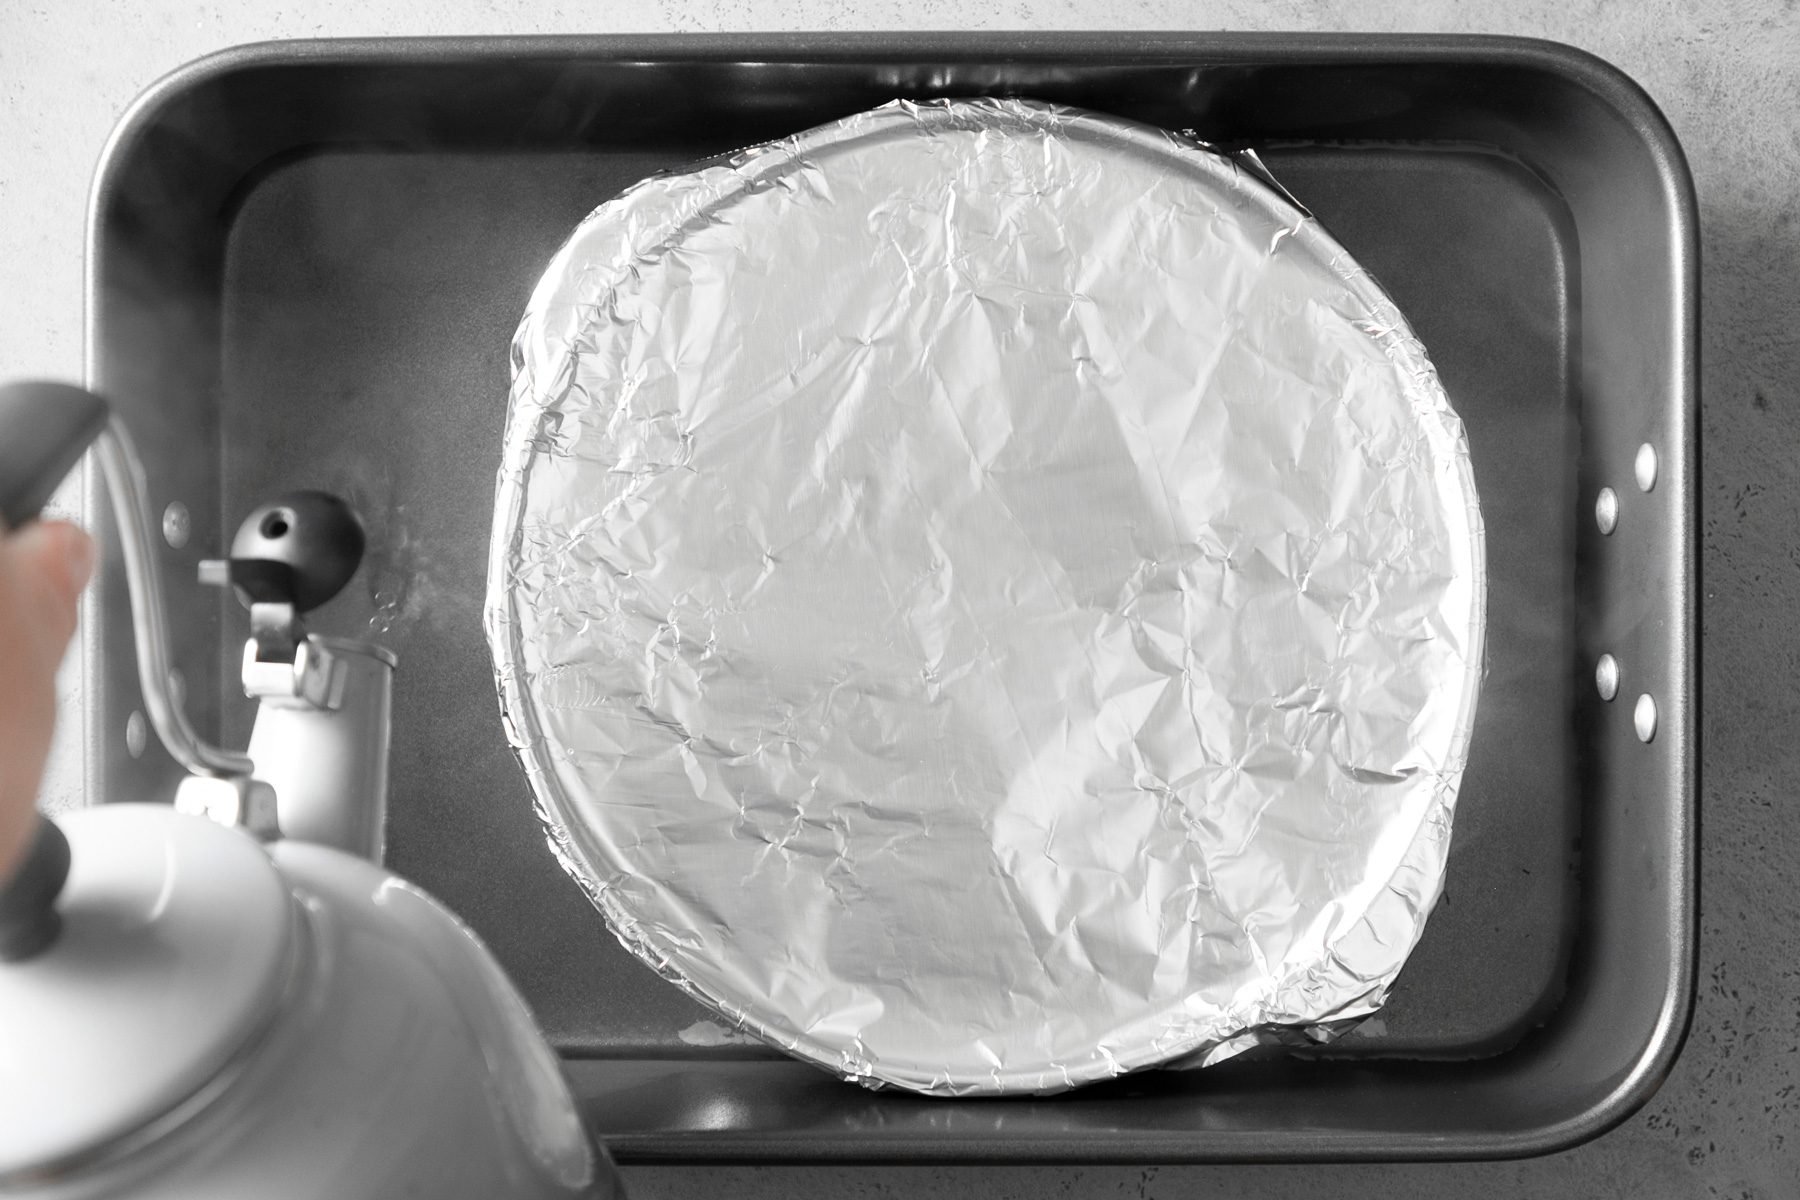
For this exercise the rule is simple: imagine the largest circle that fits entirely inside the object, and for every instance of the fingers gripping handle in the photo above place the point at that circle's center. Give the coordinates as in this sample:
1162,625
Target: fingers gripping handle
44,430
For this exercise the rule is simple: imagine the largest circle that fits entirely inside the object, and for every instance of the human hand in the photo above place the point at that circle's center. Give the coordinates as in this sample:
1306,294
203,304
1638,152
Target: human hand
43,568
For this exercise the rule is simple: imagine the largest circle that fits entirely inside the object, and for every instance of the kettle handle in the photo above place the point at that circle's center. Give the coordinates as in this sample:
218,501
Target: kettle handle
44,430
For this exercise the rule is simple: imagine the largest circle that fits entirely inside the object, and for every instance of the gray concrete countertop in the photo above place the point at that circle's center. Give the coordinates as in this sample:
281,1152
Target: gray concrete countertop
1727,74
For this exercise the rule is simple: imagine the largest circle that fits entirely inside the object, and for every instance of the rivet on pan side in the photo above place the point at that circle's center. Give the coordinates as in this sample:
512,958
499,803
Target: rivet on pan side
176,525
1606,676
1606,510
1644,717
1646,467
135,734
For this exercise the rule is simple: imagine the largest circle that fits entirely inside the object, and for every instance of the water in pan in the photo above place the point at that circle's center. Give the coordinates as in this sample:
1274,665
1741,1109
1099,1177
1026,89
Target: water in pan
368,300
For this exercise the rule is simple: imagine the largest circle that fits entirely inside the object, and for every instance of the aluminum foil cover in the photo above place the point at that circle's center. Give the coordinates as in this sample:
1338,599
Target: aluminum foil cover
988,597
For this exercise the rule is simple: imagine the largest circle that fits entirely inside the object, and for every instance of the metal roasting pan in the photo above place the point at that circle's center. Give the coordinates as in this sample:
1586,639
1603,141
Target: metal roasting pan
306,260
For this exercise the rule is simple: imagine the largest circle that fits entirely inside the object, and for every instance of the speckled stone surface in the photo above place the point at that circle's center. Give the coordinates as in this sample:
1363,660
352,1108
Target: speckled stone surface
1727,1123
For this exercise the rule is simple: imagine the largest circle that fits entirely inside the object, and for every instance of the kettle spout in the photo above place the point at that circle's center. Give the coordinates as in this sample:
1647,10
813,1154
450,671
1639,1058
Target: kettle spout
324,748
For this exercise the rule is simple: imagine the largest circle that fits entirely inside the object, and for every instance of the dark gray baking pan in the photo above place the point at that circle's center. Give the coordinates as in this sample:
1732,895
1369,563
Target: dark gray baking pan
307,261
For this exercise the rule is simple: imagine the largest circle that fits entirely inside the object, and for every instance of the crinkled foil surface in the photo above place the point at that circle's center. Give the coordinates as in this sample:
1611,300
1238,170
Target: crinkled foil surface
988,596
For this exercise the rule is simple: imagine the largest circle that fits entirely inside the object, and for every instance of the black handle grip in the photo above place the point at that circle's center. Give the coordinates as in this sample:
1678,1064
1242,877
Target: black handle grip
44,430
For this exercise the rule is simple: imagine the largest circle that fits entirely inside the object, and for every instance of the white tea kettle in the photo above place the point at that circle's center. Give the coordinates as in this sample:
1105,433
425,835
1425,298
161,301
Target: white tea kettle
193,1006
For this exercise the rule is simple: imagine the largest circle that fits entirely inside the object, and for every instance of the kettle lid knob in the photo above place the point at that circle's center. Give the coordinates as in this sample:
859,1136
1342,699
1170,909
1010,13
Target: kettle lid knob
28,918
